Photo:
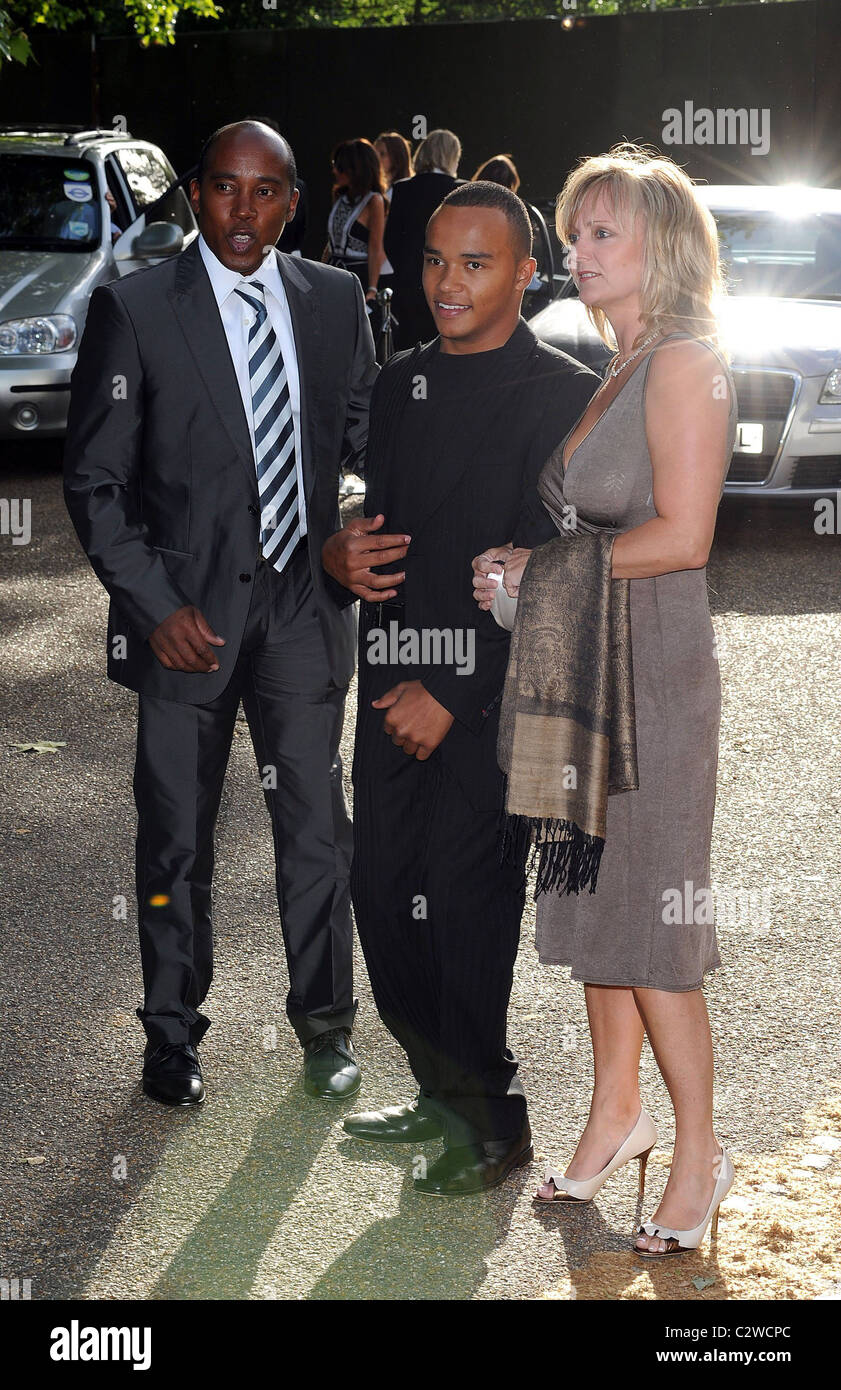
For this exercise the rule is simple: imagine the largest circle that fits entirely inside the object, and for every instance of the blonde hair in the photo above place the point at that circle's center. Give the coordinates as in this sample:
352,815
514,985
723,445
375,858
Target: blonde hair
681,276
440,148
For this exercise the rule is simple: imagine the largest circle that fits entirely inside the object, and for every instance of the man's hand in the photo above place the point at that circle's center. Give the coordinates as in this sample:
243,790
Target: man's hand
352,553
415,721
181,641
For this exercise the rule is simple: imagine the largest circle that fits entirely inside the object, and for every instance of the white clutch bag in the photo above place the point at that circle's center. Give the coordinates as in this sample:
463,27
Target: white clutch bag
504,606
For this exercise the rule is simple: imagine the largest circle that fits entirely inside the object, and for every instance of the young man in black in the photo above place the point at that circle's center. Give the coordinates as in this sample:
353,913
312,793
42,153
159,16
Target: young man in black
460,429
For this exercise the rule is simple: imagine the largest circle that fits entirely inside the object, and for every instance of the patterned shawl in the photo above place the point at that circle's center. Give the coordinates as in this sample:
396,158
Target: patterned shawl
567,737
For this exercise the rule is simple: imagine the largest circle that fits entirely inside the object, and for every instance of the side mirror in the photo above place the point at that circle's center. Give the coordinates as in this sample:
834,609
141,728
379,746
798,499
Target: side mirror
158,240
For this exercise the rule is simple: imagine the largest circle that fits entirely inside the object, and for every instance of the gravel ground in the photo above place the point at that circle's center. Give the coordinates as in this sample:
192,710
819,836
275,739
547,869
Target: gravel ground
259,1195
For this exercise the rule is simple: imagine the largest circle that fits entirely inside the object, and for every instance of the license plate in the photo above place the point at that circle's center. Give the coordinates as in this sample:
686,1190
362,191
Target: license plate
748,439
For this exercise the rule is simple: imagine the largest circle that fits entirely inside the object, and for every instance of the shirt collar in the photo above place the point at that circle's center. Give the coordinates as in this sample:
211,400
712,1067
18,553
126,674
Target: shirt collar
224,281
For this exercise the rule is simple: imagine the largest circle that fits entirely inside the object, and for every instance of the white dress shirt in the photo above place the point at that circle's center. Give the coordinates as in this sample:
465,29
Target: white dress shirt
237,319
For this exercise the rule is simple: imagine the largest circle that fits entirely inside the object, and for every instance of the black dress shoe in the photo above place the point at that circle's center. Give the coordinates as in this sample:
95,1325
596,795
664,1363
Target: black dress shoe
172,1074
330,1068
395,1124
477,1167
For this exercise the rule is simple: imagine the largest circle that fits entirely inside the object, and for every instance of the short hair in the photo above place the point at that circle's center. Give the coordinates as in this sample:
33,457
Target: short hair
441,149
261,127
484,194
681,276
499,169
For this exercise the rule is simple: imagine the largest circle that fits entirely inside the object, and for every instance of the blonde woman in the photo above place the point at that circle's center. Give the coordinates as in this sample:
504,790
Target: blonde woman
647,457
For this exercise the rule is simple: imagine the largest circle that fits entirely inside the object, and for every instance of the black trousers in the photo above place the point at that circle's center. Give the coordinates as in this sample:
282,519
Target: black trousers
439,922
295,714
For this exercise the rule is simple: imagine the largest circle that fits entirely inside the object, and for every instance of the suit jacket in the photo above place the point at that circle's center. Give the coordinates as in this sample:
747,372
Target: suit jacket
160,478
413,202
471,496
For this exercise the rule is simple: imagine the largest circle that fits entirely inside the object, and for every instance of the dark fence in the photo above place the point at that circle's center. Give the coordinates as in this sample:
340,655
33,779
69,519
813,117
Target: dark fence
544,92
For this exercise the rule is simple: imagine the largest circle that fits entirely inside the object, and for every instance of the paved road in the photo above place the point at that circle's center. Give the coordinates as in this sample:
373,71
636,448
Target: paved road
259,1196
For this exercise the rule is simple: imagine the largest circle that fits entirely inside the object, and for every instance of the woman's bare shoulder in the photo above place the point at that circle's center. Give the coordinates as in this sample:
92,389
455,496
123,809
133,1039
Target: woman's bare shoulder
686,370
374,208
680,360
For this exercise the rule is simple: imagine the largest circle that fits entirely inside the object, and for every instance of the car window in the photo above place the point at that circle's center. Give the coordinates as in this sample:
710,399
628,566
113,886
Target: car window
798,257
148,178
145,175
48,203
122,215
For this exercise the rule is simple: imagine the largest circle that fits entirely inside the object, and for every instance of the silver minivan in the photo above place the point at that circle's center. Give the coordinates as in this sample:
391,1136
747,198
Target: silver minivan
77,208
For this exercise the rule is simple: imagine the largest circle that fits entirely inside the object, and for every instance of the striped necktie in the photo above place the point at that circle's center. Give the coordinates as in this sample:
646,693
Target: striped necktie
274,435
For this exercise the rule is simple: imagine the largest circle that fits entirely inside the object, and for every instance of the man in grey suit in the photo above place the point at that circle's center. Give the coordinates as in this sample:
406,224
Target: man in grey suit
215,399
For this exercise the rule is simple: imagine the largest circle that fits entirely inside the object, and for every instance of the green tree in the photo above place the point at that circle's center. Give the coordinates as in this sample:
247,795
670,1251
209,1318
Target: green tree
153,21
254,14
156,21
14,45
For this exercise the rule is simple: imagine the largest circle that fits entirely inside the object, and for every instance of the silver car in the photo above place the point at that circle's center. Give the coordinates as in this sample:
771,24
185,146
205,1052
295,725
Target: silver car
781,326
77,208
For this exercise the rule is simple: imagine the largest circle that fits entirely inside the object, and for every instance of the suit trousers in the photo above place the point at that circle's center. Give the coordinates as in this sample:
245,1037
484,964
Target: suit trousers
294,714
439,921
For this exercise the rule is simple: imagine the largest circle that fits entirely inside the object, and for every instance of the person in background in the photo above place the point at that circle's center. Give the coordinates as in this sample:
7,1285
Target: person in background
357,217
116,232
395,160
412,204
500,168
395,154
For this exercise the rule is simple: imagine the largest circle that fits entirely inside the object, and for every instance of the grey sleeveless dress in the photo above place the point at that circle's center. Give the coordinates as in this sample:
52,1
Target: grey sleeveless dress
632,931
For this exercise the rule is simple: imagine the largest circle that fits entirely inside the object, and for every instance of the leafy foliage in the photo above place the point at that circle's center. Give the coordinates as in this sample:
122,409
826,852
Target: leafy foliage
254,14
153,21
14,45
156,21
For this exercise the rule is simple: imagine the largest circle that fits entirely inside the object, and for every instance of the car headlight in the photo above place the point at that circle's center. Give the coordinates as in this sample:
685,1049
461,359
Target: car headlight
831,393
26,337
